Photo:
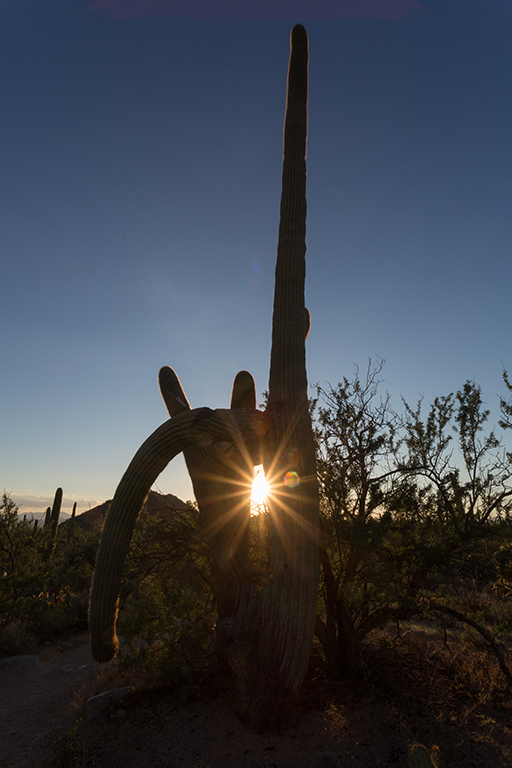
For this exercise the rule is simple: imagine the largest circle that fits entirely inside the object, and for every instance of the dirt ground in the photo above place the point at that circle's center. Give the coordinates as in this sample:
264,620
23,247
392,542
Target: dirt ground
371,724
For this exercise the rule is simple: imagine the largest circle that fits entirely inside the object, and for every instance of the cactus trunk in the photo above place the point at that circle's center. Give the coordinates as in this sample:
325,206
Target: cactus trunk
272,665
222,480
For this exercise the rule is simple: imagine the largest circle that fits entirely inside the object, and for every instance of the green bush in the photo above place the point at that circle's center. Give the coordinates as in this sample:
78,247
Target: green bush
167,611
416,514
166,632
41,596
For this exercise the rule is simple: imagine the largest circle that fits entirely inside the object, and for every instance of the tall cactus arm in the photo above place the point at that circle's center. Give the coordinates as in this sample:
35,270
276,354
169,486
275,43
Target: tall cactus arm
288,381
243,394
172,392
194,426
290,601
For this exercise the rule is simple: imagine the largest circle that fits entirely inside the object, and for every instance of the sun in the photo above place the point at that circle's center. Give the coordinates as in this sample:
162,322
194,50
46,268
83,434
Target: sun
259,489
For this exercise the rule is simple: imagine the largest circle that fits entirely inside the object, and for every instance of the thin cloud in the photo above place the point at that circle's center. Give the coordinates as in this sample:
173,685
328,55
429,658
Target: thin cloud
257,10
29,504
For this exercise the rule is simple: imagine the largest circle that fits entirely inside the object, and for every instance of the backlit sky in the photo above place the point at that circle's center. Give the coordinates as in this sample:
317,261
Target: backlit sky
140,171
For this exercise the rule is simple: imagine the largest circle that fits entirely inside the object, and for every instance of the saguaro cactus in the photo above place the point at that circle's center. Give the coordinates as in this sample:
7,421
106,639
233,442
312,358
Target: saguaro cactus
54,521
72,522
266,635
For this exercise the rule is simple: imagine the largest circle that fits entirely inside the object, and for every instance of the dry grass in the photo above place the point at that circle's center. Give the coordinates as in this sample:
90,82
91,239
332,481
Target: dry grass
449,690
417,689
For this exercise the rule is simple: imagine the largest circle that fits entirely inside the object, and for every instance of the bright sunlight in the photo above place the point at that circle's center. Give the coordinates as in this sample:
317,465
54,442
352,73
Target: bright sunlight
259,489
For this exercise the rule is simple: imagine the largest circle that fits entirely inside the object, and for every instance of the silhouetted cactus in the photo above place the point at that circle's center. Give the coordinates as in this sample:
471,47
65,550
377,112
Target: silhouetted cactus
55,514
266,635
54,521
71,528
48,516
222,479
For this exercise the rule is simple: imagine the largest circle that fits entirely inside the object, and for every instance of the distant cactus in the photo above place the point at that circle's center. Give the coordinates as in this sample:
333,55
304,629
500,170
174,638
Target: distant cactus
71,529
55,514
54,520
48,516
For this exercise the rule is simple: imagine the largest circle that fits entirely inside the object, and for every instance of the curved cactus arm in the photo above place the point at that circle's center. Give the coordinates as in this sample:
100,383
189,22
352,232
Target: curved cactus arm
195,426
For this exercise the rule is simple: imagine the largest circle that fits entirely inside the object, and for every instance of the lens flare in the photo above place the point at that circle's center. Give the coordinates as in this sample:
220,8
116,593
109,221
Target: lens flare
291,479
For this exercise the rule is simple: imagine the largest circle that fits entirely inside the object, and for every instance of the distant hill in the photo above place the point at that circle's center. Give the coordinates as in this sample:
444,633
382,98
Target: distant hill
156,502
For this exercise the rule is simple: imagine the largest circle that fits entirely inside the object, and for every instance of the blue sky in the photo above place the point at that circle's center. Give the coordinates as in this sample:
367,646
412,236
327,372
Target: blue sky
140,168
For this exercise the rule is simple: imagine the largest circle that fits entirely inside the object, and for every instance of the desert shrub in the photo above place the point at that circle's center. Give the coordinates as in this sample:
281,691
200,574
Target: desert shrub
410,526
39,595
167,610
167,631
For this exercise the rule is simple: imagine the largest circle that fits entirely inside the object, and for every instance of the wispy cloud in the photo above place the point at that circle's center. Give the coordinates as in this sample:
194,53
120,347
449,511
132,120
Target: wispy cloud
256,10
35,504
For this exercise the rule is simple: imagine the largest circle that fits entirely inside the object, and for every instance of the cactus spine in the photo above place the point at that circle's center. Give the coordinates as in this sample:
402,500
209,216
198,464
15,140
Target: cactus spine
266,635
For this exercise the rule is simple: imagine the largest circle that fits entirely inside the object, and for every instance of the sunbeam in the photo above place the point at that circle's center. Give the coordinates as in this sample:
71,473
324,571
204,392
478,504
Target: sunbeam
259,489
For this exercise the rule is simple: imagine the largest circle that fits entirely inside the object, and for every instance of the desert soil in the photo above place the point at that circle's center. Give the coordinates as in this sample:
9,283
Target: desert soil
43,724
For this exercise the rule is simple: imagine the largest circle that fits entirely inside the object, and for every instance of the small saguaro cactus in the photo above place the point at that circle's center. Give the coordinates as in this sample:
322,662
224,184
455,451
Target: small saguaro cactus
71,529
266,635
55,513
54,521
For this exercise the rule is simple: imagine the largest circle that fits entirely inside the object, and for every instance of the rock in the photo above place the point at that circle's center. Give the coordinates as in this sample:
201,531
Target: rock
96,704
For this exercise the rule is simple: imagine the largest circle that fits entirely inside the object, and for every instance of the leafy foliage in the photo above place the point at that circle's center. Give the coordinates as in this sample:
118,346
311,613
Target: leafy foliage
41,596
168,615
415,512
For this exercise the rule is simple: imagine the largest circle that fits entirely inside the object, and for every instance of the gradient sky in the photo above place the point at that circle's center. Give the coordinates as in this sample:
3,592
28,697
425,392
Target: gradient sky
140,171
